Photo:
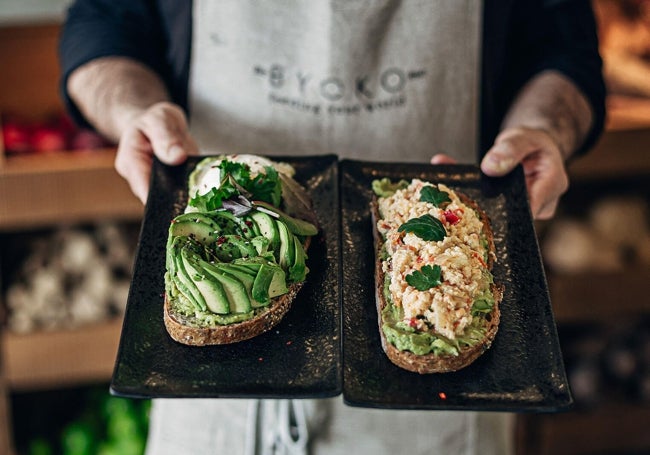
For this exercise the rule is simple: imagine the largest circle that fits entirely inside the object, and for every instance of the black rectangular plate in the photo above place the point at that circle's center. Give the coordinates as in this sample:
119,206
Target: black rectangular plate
299,358
522,371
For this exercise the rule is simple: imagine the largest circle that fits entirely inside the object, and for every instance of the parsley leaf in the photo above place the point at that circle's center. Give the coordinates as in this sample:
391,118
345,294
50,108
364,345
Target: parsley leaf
427,227
236,180
426,278
433,195
266,187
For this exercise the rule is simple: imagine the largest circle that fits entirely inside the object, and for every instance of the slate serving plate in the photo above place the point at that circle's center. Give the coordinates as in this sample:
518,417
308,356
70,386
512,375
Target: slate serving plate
299,358
523,371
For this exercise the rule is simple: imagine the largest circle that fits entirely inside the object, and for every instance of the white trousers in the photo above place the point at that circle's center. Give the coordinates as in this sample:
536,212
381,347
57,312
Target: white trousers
320,427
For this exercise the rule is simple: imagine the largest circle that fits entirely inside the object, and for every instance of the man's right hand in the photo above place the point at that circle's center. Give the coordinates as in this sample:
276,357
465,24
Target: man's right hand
160,130
128,103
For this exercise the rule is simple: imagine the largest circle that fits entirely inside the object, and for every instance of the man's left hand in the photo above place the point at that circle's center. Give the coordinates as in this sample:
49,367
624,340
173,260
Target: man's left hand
541,158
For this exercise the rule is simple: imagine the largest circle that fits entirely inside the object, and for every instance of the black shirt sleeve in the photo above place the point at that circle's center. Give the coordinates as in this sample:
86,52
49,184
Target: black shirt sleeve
559,35
99,28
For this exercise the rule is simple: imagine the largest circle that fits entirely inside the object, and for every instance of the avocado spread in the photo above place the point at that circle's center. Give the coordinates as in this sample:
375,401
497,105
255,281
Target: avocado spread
406,338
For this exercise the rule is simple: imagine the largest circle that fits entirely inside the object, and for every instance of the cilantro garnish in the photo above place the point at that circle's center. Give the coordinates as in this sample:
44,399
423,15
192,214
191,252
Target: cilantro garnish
433,195
236,180
426,278
427,227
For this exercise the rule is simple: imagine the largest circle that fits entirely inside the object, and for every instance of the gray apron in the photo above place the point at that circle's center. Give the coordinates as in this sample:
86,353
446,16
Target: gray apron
377,80
382,80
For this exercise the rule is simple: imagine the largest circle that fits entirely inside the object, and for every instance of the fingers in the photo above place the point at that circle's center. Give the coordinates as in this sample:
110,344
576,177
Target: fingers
509,149
162,131
547,181
133,162
541,159
441,158
165,125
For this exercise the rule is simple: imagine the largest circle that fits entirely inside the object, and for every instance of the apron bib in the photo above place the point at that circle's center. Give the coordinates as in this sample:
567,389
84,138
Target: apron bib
382,80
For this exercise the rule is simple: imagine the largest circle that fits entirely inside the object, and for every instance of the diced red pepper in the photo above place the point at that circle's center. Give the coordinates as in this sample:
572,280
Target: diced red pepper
451,217
413,322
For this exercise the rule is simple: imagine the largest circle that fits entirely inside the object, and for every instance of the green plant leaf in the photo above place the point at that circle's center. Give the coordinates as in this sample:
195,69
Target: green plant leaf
426,278
265,186
426,227
433,195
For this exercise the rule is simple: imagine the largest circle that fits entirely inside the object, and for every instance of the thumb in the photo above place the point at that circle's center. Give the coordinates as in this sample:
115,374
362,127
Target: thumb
167,130
509,149
500,159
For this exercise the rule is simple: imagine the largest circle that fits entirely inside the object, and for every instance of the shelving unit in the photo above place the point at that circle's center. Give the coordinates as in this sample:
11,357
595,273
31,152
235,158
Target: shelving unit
47,190
50,360
63,188
614,425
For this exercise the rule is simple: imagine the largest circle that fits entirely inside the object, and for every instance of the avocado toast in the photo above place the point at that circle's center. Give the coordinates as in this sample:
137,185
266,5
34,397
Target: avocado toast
236,257
437,303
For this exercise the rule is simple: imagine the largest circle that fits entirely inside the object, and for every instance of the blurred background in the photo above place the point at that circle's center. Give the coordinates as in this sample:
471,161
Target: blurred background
69,227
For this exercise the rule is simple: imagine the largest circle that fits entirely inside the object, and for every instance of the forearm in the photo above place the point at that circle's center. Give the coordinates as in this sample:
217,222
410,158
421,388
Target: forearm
552,103
111,91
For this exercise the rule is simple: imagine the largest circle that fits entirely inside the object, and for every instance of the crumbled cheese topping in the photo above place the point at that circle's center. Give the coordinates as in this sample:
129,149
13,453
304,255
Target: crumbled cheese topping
446,308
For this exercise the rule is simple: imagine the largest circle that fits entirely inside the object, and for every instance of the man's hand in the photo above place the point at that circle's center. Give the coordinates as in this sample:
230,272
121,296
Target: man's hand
540,156
160,130
546,123
128,103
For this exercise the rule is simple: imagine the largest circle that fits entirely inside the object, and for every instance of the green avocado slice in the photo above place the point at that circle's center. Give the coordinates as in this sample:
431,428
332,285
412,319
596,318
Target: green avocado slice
212,291
295,225
287,246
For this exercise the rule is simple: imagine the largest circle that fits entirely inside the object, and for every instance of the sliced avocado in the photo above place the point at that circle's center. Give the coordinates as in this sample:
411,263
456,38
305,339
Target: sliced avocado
287,252
261,244
295,225
252,266
212,291
268,228
230,223
250,223
270,282
244,275
298,270
235,290
252,271
278,284
230,247
182,279
197,225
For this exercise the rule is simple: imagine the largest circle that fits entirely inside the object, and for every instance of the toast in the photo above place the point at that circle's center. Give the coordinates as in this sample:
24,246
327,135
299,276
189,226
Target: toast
183,328
236,258
418,331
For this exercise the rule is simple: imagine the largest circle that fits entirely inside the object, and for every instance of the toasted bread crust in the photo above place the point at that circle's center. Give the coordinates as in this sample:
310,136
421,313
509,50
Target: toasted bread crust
181,329
435,363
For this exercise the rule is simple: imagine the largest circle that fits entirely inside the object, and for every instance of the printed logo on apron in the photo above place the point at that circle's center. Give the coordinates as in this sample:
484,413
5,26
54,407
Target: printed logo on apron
382,80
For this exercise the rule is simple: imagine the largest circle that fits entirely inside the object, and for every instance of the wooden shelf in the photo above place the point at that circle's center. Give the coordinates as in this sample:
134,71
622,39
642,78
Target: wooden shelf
597,297
619,153
63,187
627,113
49,360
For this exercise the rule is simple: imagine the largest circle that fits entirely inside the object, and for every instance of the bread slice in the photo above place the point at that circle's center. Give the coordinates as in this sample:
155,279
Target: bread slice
433,362
185,330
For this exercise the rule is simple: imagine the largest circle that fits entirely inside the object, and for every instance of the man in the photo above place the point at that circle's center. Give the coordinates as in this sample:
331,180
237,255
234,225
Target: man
499,83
